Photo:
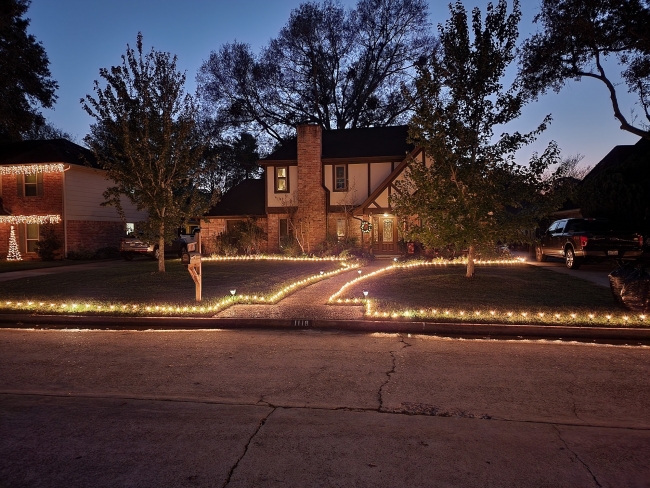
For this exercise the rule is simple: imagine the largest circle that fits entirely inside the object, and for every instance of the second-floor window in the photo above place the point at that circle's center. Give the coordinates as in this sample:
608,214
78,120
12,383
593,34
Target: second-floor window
281,179
340,177
30,185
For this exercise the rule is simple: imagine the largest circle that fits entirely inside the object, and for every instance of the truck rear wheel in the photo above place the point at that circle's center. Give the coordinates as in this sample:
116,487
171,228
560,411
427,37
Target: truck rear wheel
570,259
127,256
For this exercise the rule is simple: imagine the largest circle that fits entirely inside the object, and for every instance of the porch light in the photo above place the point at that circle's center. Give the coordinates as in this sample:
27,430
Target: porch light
365,293
233,291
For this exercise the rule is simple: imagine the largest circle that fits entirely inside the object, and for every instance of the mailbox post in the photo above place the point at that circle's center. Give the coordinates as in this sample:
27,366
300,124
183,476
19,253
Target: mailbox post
192,261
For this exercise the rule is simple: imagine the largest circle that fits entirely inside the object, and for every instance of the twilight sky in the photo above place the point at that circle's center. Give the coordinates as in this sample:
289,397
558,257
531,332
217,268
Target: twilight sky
81,36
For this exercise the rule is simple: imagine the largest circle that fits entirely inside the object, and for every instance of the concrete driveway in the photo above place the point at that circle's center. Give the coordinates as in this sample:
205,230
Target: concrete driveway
595,273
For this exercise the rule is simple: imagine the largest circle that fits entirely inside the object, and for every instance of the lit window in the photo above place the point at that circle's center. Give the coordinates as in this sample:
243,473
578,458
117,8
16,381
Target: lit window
340,229
340,178
31,185
282,179
31,236
130,228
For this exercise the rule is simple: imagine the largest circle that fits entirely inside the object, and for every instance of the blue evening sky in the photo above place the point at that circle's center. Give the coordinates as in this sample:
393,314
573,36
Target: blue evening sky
81,36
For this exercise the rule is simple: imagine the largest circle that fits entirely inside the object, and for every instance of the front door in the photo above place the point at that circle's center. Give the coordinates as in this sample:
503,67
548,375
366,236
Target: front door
384,235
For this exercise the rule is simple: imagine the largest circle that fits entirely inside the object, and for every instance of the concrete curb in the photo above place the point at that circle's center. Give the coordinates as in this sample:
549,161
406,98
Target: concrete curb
455,330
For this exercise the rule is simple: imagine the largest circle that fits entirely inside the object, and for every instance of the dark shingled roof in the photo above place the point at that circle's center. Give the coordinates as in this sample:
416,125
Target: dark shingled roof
353,143
618,155
247,198
46,151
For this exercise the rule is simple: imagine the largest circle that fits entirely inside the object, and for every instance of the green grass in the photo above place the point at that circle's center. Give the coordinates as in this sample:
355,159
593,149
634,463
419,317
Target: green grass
493,286
513,293
8,266
139,282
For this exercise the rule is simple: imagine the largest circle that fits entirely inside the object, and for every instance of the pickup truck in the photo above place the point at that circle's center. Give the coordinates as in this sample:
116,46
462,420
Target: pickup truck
588,240
132,246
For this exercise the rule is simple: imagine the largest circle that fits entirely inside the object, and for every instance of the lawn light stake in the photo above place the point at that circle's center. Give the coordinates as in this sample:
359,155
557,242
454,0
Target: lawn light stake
191,259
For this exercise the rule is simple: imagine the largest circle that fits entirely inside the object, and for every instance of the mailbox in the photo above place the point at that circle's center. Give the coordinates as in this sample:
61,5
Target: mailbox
191,258
191,246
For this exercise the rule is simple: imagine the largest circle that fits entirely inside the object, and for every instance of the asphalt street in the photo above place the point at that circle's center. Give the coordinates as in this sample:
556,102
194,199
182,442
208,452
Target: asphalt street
242,408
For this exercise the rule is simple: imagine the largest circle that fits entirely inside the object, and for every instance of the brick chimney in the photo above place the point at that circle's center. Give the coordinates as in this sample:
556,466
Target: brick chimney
312,196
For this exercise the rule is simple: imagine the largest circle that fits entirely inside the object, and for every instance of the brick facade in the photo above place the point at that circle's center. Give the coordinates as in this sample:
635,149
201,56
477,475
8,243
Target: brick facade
87,235
311,217
214,226
49,203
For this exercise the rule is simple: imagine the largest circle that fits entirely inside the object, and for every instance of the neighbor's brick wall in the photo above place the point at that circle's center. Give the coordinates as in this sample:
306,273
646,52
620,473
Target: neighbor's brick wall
312,203
50,203
84,235
212,227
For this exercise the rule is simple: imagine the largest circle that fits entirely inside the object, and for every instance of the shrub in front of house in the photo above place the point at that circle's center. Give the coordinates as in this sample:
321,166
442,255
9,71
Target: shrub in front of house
48,244
245,237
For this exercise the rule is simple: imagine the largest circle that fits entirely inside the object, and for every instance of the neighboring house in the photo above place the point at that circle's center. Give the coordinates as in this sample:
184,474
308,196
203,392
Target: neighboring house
332,184
611,163
56,182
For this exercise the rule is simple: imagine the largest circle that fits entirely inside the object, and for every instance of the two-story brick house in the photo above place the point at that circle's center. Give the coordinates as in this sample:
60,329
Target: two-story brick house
333,183
56,182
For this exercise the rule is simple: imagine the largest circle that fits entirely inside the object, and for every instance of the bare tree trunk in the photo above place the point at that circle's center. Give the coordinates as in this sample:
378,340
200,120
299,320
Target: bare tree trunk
161,249
470,262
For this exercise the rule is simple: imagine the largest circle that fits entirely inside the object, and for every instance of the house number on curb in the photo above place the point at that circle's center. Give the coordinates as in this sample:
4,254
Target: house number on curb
302,323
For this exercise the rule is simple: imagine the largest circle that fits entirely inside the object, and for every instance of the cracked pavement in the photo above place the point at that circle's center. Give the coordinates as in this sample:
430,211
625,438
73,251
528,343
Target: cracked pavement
310,408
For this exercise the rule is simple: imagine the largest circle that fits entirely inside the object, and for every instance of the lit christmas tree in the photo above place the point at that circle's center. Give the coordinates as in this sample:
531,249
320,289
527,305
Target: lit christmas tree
14,253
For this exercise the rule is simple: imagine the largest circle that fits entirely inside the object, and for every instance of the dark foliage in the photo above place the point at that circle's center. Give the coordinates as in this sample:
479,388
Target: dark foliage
25,79
575,41
330,66
146,138
473,194
49,243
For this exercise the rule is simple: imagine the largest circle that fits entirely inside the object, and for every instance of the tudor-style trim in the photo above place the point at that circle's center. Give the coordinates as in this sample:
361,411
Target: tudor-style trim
387,184
280,210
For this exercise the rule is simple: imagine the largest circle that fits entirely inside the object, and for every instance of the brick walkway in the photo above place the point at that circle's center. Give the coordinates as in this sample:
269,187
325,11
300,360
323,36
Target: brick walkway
309,303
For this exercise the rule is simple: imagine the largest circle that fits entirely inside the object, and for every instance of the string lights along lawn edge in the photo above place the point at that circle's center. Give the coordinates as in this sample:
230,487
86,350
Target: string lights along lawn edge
373,309
211,306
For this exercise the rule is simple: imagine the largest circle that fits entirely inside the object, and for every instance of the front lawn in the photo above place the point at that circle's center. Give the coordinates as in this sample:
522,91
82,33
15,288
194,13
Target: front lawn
8,266
140,283
513,293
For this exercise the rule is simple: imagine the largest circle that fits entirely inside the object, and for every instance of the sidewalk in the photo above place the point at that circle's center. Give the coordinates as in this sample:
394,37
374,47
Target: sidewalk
31,273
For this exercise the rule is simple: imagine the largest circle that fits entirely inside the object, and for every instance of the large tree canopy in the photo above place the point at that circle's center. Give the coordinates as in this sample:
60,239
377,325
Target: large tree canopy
227,163
473,194
331,66
146,138
575,41
25,79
